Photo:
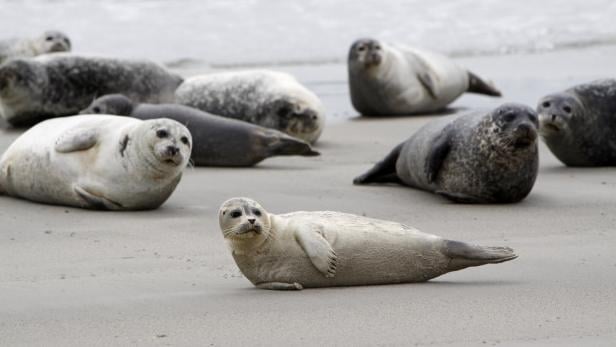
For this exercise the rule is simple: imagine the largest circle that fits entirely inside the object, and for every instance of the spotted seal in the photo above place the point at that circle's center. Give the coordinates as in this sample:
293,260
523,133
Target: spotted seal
62,84
270,99
473,158
323,249
579,124
389,79
97,162
49,42
217,141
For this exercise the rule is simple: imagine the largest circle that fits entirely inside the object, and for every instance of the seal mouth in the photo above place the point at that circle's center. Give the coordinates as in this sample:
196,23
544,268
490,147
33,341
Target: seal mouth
524,142
58,47
551,127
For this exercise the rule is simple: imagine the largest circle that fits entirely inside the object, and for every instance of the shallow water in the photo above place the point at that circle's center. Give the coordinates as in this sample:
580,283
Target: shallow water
308,31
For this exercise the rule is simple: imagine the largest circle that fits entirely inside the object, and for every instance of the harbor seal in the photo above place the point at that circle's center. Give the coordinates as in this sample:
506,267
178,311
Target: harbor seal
473,158
579,124
62,84
387,79
270,99
217,141
323,249
97,162
49,42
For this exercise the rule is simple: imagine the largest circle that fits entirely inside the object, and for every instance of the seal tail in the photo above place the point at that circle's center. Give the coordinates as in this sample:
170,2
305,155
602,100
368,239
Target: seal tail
287,145
479,86
465,255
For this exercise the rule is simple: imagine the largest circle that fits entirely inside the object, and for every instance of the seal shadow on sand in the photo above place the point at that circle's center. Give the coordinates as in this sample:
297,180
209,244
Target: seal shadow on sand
446,112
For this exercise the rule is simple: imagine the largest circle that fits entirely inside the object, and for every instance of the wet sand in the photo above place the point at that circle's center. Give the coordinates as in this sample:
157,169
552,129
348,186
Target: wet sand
70,277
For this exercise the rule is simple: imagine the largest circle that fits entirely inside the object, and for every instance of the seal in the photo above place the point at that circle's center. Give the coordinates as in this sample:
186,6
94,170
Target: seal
323,249
49,42
97,162
62,84
217,141
388,79
578,125
473,158
270,99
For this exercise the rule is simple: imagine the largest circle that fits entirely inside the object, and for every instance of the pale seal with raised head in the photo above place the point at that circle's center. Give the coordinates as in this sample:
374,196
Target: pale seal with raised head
97,162
323,249
270,99
579,124
217,141
473,158
389,79
62,84
49,42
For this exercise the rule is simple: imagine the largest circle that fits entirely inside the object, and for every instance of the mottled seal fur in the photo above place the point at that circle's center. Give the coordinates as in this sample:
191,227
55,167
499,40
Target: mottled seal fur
217,141
270,99
97,162
579,124
49,42
473,158
62,84
388,79
324,249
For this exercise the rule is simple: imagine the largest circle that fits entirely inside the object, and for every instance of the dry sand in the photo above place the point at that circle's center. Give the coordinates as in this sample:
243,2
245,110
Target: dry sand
71,277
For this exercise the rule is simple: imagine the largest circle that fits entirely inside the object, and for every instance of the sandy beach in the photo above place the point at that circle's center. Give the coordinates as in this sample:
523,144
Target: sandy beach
71,277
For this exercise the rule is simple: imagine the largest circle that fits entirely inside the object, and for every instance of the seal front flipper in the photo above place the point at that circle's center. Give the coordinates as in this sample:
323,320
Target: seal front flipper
76,139
439,151
383,171
465,255
426,76
279,286
96,201
479,86
318,249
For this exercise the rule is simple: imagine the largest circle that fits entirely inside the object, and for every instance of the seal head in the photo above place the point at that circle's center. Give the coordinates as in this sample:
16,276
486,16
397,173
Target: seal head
244,223
163,141
365,53
117,104
52,41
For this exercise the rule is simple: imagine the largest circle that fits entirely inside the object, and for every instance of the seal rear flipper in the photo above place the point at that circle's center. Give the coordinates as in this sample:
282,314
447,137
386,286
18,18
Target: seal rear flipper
465,255
383,171
287,145
479,86
279,286
76,139
95,201
439,151
318,249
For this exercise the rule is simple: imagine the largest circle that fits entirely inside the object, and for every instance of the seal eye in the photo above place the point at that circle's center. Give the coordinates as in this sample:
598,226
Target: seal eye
49,38
509,117
96,109
361,48
235,214
567,109
184,140
257,213
546,104
162,133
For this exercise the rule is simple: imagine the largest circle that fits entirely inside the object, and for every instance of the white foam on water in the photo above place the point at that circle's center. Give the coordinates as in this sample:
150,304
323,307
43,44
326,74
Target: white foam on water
307,31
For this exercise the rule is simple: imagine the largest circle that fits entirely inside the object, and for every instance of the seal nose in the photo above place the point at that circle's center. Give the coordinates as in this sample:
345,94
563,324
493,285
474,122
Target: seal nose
251,220
172,150
553,117
525,128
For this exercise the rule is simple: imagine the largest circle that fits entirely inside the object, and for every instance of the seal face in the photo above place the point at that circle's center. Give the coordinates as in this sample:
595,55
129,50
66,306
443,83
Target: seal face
320,249
270,99
49,42
218,141
97,162
62,84
578,124
387,79
473,158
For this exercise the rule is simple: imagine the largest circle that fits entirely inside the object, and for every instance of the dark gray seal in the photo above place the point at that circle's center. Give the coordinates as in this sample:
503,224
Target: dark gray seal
61,84
271,99
579,124
218,141
49,42
473,158
387,79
